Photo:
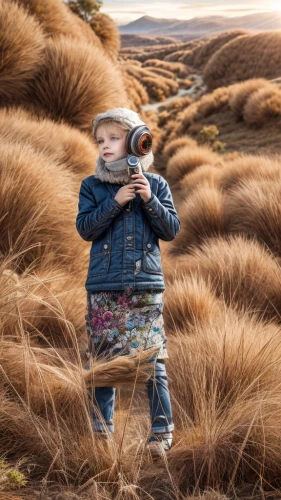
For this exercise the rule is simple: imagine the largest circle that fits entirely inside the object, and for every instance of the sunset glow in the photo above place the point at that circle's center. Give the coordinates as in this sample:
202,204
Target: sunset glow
276,5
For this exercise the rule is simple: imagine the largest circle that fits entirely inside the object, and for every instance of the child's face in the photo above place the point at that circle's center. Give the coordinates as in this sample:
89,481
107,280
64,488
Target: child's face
111,142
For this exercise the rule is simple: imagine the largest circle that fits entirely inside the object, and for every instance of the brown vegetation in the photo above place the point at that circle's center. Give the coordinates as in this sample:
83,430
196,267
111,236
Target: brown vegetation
263,105
107,32
75,83
200,55
57,19
187,159
66,145
178,69
22,44
241,92
247,56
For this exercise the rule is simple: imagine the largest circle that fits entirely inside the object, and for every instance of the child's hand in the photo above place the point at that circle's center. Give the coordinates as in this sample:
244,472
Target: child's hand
124,194
142,186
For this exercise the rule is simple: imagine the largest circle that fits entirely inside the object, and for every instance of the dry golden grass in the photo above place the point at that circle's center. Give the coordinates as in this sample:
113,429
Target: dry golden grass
247,167
108,33
262,106
162,72
202,217
189,158
57,19
22,44
189,301
241,271
205,175
75,83
36,212
157,87
201,54
240,93
227,404
68,146
248,56
175,145
178,69
136,92
253,208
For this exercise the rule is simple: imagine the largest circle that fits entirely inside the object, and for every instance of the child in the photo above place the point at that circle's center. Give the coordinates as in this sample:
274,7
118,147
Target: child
124,220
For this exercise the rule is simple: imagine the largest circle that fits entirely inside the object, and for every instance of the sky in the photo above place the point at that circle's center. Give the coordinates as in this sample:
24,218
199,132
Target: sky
123,12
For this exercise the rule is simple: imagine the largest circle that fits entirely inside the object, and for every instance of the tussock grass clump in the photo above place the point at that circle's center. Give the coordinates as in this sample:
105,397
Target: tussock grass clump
201,217
68,146
262,106
108,33
57,19
241,271
248,56
135,90
172,147
178,69
187,159
204,107
201,54
240,93
253,208
161,72
22,44
188,302
247,167
75,83
227,397
36,212
205,175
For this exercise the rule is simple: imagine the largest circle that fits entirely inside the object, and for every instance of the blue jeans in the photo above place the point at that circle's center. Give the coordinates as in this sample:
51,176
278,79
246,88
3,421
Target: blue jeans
159,403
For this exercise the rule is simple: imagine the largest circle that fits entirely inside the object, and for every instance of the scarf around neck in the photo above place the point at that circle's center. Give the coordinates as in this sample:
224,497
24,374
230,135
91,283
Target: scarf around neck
116,172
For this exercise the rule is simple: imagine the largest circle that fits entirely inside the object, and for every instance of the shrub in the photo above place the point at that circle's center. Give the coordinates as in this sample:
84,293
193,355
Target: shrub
208,134
240,93
262,105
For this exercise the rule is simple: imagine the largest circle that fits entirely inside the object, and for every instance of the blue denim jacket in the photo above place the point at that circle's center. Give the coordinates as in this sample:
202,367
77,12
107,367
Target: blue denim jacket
125,247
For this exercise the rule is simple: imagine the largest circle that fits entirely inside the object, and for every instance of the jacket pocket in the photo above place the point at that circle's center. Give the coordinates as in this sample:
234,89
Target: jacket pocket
151,262
99,264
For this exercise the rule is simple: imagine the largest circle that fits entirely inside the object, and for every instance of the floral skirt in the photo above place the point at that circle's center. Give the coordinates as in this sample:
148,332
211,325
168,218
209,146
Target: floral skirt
123,322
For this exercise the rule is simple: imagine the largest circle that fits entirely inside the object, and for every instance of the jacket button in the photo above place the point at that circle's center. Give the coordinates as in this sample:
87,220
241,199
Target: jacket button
150,209
129,237
148,245
105,246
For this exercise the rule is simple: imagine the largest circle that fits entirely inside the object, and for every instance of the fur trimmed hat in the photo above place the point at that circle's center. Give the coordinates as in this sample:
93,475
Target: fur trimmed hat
129,118
122,115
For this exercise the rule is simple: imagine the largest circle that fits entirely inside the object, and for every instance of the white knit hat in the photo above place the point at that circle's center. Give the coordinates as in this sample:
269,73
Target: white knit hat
122,115
129,118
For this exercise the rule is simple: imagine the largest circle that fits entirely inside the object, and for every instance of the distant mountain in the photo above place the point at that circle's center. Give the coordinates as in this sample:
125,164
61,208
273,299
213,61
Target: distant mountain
202,26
